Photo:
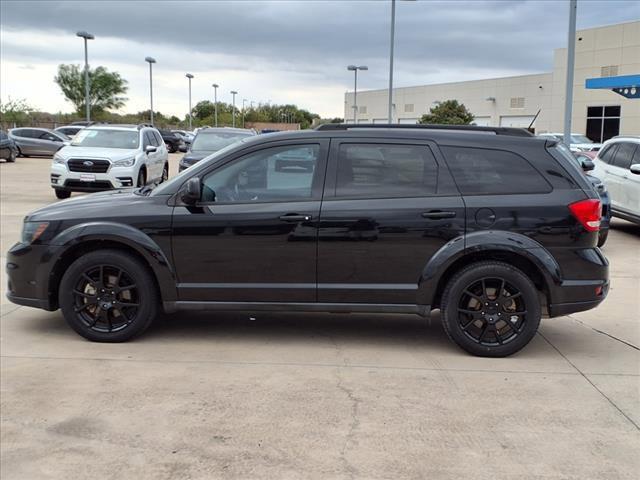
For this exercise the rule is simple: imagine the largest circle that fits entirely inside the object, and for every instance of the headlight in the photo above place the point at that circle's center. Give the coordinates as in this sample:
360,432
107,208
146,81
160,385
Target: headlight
127,162
57,158
31,231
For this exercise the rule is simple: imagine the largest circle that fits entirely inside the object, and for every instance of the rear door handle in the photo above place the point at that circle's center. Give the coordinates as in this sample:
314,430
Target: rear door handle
294,217
437,214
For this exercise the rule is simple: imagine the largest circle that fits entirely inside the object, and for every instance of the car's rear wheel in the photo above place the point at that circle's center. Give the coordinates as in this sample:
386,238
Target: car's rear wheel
108,296
62,194
165,173
20,154
12,156
490,309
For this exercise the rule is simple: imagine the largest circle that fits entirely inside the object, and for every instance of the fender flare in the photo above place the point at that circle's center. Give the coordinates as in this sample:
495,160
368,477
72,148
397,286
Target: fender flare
123,234
485,241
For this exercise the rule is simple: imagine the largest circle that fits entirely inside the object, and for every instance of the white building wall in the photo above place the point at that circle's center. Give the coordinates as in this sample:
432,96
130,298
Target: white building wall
596,47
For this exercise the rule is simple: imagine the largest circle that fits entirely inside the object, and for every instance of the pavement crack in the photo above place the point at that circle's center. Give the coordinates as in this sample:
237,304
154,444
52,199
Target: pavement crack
351,471
629,419
604,333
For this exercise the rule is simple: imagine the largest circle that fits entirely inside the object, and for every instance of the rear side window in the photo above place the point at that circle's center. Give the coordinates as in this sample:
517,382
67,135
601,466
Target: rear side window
606,155
479,171
622,157
385,171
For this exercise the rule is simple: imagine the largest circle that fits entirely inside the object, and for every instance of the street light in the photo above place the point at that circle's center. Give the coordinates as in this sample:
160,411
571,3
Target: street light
233,111
215,101
244,100
393,28
151,61
354,69
86,36
189,76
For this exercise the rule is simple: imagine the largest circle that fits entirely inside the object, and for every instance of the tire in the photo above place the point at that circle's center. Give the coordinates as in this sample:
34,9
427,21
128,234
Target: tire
142,178
128,311
12,157
602,237
62,194
165,173
503,325
20,154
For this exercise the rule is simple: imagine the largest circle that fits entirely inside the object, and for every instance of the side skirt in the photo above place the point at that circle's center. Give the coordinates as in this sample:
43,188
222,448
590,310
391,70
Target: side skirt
422,310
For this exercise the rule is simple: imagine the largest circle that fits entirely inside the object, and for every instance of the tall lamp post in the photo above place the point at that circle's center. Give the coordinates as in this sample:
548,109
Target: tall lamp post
189,76
151,61
244,100
571,55
354,69
86,36
215,102
233,111
393,28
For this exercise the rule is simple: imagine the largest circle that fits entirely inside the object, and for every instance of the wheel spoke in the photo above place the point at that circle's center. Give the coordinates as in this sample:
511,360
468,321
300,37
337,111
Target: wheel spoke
497,335
123,304
470,312
117,282
91,281
473,295
502,287
125,288
83,294
84,306
471,322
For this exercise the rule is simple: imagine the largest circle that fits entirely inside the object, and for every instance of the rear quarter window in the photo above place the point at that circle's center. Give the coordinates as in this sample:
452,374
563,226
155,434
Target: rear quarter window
482,171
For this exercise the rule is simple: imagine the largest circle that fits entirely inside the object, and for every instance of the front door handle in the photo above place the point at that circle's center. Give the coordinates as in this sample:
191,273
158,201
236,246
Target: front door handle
294,217
437,214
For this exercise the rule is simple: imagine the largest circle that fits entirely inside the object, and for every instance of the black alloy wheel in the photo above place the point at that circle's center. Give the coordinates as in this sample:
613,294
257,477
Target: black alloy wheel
108,296
491,309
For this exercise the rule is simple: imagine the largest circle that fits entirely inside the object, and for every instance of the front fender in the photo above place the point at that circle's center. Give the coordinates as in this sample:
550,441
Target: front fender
485,241
125,235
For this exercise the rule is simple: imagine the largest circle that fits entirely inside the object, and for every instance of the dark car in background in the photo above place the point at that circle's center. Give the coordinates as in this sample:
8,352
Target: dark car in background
187,138
37,141
492,226
173,141
8,149
69,130
210,140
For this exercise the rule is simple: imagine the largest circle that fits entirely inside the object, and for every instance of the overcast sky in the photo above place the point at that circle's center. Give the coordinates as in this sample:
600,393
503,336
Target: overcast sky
286,51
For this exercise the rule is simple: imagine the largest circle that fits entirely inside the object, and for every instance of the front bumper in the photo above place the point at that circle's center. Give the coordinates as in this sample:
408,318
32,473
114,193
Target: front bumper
28,270
115,177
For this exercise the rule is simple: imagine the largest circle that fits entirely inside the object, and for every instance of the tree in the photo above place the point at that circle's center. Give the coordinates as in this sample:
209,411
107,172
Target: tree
449,112
15,111
106,88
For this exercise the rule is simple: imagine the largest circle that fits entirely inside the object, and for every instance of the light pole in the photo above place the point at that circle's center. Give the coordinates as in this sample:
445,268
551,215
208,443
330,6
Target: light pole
244,100
189,76
354,69
233,111
86,36
571,54
393,28
151,61
215,102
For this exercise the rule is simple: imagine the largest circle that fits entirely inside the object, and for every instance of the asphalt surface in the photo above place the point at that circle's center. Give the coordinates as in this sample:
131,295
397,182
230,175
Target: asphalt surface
293,396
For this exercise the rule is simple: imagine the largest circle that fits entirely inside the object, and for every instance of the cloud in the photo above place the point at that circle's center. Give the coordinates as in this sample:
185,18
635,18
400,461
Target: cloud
294,50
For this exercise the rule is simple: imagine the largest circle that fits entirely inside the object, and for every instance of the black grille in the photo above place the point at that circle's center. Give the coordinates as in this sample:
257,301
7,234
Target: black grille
87,165
88,186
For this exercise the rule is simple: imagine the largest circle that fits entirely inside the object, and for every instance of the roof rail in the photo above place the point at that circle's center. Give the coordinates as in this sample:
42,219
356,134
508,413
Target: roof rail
514,132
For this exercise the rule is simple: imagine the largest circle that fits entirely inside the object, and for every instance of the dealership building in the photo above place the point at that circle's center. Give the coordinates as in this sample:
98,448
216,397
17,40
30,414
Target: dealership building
606,94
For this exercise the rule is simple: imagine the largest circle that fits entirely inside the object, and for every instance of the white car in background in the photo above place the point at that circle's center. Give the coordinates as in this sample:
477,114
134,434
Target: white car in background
579,143
104,157
618,166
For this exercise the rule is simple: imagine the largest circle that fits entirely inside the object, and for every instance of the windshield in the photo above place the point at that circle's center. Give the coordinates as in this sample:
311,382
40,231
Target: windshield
214,141
580,139
106,139
208,160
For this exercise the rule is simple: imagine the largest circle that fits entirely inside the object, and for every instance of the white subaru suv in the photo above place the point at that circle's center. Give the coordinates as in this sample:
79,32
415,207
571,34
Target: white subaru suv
103,157
618,166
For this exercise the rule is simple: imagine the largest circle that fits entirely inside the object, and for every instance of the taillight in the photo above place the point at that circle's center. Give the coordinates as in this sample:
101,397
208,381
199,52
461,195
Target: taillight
588,213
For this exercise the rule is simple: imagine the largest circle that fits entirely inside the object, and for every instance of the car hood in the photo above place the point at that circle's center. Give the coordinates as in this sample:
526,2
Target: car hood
113,154
99,206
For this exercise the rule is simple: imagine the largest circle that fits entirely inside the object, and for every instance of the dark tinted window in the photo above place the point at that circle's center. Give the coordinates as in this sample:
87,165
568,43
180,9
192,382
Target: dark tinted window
158,138
24,133
606,155
636,157
149,139
385,171
479,171
613,111
623,155
594,111
50,136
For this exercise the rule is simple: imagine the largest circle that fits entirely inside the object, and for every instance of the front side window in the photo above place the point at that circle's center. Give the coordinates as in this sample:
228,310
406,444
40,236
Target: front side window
480,171
274,174
623,155
106,139
385,171
606,155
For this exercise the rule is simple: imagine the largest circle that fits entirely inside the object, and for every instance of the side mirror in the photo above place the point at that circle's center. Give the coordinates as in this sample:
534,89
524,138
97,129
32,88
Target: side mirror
635,168
190,192
150,149
587,165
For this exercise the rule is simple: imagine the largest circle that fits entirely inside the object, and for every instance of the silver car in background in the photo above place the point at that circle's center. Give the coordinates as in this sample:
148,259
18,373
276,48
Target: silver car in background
37,141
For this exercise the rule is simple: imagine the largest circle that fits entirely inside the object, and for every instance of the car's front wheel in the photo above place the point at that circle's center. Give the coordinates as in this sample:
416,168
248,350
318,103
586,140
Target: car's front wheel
62,194
12,156
165,173
108,296
490,309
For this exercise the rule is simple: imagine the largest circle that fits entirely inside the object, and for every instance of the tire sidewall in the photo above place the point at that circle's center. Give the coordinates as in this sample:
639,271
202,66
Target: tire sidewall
138,273
518,279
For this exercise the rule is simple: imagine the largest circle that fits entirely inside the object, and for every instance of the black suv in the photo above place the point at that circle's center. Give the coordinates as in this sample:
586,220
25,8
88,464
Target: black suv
492,226
173,141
